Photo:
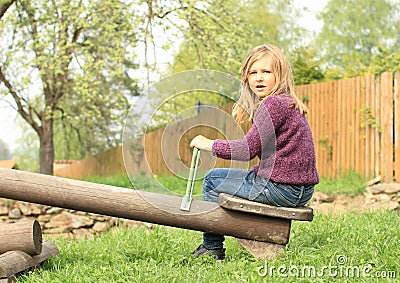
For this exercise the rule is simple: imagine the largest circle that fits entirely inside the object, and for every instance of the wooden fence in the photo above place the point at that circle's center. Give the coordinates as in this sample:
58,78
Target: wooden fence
355,124
213,123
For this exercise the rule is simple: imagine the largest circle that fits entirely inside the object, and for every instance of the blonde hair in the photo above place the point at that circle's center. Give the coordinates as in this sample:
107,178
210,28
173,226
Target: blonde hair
245,108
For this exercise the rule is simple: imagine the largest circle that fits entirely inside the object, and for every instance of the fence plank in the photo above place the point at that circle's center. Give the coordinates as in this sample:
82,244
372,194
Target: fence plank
319,126
387,126
317,123
357,143
335,133
397,126
377,132
352,120
369,111
362,129
326,128
346,124
340,151
330,126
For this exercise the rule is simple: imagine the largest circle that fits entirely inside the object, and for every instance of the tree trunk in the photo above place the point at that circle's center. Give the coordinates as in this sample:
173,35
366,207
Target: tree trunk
46,147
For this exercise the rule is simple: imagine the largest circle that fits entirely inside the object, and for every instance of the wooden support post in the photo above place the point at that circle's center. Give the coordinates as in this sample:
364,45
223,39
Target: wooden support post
267,249
139,205
25,236
261,250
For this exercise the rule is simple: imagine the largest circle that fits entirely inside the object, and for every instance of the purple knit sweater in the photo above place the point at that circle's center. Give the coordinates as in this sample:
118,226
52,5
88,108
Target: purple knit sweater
281,137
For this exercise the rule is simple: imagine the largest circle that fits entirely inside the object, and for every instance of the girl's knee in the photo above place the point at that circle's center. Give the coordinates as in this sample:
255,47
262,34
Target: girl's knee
217,173
208,174
208,192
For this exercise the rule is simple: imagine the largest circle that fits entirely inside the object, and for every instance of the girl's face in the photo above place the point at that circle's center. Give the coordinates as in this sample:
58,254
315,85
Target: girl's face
261,76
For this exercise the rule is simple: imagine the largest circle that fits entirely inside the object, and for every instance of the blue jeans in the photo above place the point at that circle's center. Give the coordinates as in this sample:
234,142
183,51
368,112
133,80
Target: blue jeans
246,184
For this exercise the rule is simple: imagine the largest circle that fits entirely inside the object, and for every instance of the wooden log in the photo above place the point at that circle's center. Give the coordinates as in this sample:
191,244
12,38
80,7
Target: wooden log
13,262
140,205
24,235
49,249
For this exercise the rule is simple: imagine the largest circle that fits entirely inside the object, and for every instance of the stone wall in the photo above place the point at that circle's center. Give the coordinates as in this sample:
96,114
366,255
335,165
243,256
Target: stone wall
376,197
56,222
383,195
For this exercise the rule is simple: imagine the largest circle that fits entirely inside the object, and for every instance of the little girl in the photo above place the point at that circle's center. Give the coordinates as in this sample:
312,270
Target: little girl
280,137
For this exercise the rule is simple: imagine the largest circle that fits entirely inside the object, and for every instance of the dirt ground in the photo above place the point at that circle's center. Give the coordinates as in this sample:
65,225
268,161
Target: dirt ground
337,204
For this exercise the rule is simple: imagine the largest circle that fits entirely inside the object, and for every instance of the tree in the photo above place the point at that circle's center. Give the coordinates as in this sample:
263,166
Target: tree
66,61
353,30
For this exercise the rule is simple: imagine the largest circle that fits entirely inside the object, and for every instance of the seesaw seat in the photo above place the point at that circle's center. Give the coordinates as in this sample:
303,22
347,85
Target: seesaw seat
259,249
301,213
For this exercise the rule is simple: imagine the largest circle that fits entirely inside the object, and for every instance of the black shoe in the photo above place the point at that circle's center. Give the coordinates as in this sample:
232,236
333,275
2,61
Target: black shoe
218,253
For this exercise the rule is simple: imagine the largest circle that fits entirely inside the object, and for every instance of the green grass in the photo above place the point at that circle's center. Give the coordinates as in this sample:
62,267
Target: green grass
336,247
162,254
116,180
350,183
172,184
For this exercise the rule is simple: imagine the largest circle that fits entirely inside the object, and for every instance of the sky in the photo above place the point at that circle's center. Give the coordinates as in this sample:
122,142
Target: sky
10,130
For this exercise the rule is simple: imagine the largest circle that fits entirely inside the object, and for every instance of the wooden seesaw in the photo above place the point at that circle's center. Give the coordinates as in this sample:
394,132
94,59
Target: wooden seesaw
263,230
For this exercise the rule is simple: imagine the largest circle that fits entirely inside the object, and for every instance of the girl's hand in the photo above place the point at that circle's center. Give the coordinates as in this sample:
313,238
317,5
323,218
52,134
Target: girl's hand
202,143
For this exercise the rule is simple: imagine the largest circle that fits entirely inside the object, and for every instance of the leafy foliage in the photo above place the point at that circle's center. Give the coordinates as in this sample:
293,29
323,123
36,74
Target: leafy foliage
214,41
354,30
385,60
306,66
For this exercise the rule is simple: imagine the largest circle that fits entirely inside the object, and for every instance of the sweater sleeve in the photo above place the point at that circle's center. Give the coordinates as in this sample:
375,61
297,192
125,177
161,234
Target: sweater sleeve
242,150
251,145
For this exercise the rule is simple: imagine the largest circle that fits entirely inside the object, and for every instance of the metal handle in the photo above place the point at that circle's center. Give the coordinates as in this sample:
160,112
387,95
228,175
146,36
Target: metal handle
187,199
